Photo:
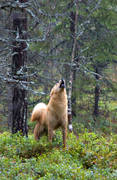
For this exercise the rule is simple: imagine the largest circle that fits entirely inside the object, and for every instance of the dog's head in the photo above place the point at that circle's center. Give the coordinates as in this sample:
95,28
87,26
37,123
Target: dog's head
58,88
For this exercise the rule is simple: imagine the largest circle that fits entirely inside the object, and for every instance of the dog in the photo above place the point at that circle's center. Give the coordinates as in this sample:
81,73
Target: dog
53,115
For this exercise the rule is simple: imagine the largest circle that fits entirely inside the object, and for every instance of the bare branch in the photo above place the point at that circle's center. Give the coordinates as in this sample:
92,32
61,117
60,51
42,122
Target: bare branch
14,4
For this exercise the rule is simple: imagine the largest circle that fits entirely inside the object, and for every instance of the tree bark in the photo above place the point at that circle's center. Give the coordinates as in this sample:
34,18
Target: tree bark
97,94
19,102
73,28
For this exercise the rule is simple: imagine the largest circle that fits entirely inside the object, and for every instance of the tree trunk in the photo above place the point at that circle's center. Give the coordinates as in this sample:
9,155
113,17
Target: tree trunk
74,97
97,94
9,93
73,28
19,104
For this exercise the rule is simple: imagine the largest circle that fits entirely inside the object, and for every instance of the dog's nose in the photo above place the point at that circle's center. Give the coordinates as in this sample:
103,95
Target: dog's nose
62,83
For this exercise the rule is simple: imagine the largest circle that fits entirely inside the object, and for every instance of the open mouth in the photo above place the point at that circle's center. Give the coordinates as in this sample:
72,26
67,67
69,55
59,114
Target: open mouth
62,83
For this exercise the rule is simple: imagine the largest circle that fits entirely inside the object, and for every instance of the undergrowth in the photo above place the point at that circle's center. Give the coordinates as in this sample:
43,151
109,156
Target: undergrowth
88,156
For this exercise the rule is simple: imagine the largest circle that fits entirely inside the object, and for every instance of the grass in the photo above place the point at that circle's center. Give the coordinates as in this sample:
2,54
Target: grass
90,156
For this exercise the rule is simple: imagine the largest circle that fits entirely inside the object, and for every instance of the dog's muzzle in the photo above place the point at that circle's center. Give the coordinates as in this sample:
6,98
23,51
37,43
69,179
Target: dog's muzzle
62,83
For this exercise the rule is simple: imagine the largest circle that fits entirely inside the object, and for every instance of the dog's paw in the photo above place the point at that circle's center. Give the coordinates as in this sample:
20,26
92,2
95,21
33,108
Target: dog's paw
70,127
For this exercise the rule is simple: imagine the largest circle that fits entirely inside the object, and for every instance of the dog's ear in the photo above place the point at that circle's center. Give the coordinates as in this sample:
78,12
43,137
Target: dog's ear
54,89
51,92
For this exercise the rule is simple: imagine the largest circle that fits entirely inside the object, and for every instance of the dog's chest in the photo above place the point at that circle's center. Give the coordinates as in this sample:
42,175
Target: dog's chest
58,118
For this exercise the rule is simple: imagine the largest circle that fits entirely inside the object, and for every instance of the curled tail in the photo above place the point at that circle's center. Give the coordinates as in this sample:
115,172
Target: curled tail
38,111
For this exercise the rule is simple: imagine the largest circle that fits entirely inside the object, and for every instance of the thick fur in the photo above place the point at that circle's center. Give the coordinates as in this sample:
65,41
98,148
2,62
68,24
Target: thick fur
52,116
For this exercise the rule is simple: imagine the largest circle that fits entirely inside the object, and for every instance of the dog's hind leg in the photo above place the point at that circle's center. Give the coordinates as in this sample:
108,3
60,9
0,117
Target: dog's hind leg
38,131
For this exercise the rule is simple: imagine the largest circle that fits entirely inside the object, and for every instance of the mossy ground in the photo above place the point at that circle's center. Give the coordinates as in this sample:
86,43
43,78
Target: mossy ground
88,156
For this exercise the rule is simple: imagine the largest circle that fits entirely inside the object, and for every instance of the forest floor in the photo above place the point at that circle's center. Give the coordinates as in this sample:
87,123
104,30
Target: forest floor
89,156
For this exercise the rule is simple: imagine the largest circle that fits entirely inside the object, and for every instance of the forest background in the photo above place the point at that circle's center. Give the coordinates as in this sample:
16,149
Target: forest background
49,32
42,41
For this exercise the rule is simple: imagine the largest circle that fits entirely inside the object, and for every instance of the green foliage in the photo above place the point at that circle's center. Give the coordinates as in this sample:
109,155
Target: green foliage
91,156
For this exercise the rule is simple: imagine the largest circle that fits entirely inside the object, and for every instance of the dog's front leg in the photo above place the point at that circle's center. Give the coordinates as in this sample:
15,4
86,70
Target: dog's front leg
50,134
64,130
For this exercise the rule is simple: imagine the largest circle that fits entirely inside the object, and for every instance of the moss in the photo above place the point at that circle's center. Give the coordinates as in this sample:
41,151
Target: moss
88,156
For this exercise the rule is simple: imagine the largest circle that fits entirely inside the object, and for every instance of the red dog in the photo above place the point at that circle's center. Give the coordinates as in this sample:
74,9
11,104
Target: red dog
54,115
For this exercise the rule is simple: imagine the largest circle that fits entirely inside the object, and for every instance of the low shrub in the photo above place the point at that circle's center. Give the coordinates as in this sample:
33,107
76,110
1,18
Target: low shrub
87,156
